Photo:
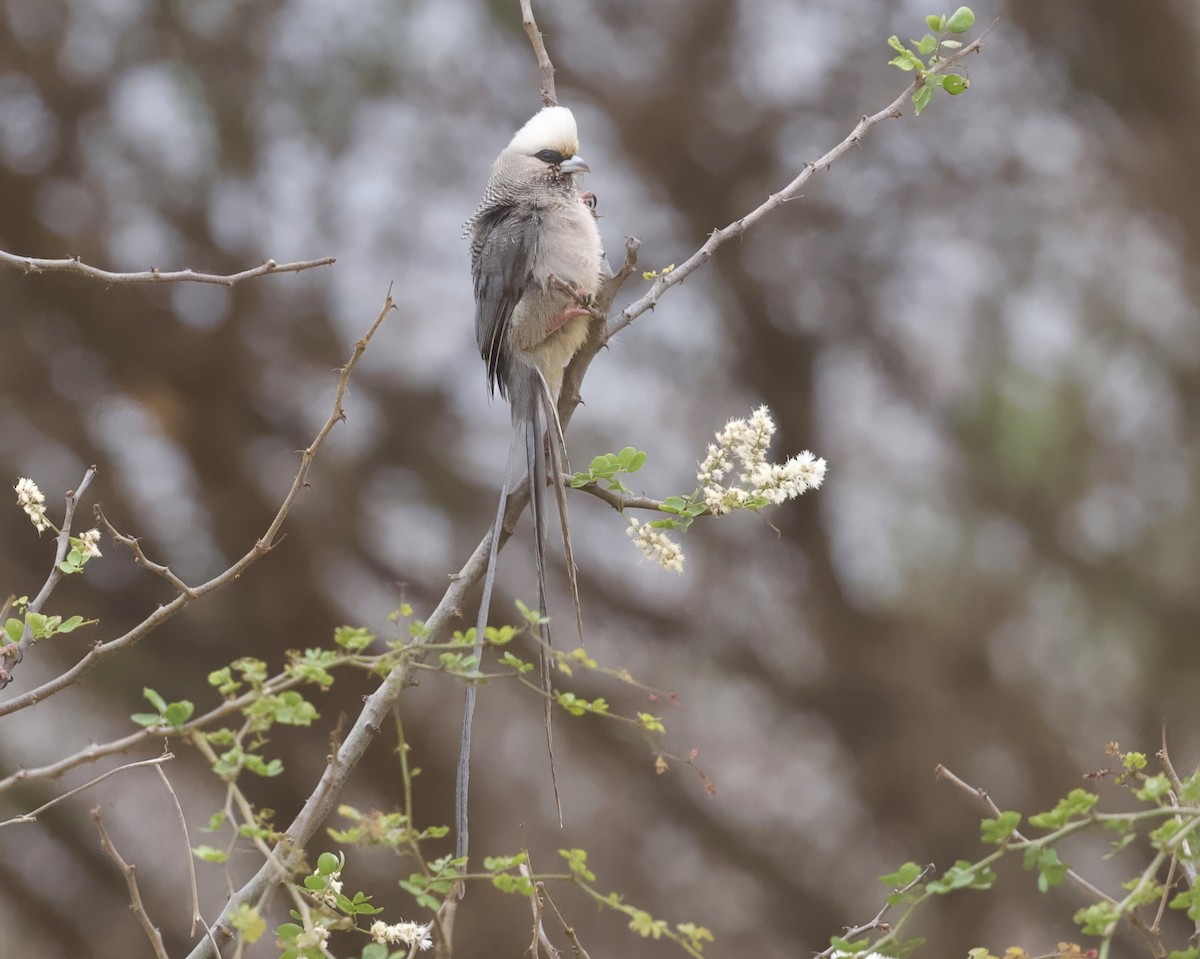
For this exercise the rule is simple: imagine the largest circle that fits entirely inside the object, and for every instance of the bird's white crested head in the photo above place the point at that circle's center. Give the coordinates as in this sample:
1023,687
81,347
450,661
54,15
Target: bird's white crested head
552,128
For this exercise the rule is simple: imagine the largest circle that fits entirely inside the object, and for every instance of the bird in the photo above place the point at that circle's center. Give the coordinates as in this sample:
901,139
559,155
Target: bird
536,264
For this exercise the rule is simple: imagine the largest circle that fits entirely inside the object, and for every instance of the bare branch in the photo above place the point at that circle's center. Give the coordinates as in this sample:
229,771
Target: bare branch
545,67
539,931
72,264
776,200
187,849
32,816
135,898
134,546
260,549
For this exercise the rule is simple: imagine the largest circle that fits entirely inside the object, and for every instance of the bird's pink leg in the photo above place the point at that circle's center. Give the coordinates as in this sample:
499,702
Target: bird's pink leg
565,315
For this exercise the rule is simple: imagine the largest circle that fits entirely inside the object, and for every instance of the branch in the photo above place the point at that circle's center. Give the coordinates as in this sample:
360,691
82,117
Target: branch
260,549
93,752
616,500
60,553
981,796
72,264
776,200
135,899
853,932
32,816
545,67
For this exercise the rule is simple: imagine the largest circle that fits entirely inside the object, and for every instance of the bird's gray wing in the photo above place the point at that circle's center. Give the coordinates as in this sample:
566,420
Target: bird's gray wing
502,254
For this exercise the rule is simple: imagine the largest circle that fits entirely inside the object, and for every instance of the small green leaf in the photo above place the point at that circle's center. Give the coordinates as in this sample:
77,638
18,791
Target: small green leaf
155,700
902,876
921,98
961,20
996,831
209,854
935,23
927,44
328,863
14,629
954,83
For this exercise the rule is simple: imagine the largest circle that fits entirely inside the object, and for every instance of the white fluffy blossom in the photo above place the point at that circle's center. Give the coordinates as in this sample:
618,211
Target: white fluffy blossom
757,482
409,933
314,937
91,543
31,500
656,545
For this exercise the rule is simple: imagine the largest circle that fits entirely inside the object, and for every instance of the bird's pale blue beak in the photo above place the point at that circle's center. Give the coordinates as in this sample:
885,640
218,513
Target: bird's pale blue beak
574,164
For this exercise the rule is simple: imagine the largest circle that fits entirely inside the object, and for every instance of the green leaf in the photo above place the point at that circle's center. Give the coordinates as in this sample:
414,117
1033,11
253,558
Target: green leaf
14,629
1077,803
927,44
328,863
209,854
179,713
902,876
846,946
996,831
962,875
961,20
1153,789
248,922
353,638
935,23
155,700
954,83
921,99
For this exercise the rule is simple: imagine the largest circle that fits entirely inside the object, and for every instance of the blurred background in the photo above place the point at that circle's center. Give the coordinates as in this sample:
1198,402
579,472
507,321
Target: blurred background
985,320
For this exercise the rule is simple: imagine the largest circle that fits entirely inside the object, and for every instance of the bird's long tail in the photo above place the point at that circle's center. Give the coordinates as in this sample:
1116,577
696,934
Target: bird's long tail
559,465
489,579
536,460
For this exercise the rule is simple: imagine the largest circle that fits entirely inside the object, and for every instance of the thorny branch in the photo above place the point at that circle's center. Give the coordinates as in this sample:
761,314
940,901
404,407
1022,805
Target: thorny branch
72,264
187,596
981,796
135,897
545,67
32,815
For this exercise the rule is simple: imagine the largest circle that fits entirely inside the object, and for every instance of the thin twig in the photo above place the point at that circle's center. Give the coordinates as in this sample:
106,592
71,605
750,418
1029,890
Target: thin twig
790,192
135,898
94,752
545,67
72,264
616,500
32,816
576,945
62,546
187,850
539,932
260,548
981,796
871,925
134,546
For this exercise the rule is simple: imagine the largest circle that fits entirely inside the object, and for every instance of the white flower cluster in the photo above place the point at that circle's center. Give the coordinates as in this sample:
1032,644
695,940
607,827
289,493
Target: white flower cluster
656,545
91,543
31,500
412,934
745,443
315,937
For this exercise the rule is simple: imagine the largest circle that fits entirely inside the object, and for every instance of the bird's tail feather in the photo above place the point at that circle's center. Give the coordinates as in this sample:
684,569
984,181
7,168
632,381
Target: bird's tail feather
560,465
536,458
485,601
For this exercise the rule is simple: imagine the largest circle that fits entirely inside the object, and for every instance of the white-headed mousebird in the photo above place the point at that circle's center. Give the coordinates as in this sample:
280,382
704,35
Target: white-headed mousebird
536,262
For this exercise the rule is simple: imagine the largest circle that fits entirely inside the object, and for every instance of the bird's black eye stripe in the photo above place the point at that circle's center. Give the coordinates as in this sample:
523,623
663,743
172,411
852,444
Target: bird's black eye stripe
550,156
